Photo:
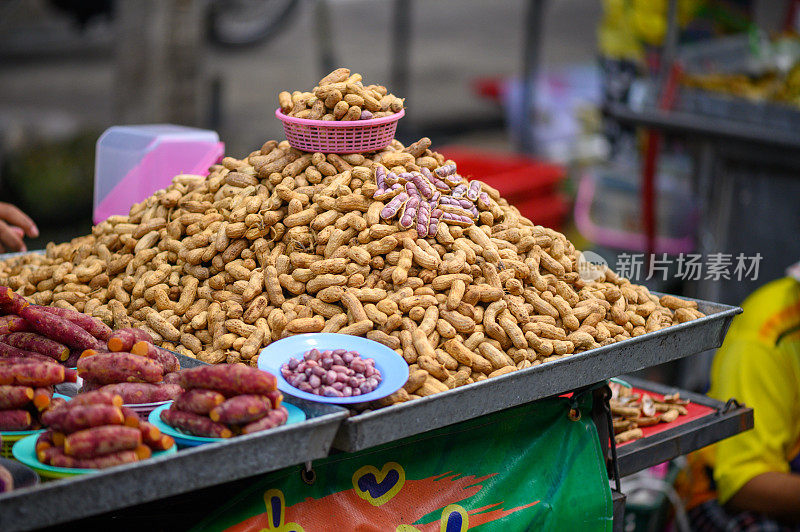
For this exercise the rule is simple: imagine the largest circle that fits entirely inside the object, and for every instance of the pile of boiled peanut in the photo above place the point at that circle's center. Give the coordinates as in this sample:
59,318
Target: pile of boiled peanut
340,96
284,242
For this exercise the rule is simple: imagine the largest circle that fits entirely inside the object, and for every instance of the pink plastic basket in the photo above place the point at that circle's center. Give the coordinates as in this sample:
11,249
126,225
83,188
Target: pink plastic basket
339,136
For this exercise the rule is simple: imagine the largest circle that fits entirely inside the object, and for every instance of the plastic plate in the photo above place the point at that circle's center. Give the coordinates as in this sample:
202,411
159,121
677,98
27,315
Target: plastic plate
25,451
393,368
190,440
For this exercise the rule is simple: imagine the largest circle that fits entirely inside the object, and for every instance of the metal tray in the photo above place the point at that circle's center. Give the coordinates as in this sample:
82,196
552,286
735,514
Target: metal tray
552,378
188,470
727,420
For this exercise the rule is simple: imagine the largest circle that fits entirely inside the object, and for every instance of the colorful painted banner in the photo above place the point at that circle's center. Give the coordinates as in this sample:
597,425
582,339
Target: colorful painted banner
527,468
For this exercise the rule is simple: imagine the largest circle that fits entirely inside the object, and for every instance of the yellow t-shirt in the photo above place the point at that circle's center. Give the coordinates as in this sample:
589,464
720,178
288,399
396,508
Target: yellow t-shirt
759,364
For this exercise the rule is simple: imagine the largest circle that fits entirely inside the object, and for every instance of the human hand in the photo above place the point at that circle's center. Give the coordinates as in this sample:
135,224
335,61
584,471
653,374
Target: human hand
14,226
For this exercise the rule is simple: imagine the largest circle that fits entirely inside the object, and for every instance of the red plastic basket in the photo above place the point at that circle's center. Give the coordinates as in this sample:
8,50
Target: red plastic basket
339,136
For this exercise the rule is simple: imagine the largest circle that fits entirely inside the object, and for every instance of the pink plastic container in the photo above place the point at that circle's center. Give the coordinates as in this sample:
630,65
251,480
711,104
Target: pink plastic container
339,136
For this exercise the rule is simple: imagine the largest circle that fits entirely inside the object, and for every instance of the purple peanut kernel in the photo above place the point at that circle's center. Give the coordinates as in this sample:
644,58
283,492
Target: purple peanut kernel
347,391
314,381
331,392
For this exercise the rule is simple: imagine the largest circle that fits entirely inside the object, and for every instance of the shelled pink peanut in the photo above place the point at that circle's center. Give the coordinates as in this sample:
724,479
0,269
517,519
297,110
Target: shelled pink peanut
332,373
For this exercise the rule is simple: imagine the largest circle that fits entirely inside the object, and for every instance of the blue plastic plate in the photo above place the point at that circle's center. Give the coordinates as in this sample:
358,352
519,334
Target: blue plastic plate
393,367
25,451
190,440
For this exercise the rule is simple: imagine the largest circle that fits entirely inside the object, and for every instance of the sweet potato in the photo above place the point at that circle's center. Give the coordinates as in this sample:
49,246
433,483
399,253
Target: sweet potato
132,419
241,409
15,396
13,323
134,393
15,420
15,354
164,443
198,401
42,397
123,339
70,418
36,343
97,441
275,398
172,377
31,374
70,375
55,456
150,433
6,480
57,328
274,418
56,402
229,379
167,359
97,397
195,424
90,324
72,359
109,368
10,301
44,441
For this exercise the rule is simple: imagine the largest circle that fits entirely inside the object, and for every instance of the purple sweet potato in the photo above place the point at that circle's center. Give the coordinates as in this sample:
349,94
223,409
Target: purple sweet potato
15,420
58,328
153,438
110,368
173,377
73,418
72,359
229,380
194,424
9,352
123,339
36,343
10,301
97,397
134,393
13,323
90,324
199,401
6,480
274,418
97,441
31,374
167,359
132,419
275,398
44,441
56,457
241,409
15,396
42,397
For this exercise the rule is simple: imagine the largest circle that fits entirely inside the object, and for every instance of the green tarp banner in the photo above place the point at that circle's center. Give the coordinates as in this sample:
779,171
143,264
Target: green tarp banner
526,468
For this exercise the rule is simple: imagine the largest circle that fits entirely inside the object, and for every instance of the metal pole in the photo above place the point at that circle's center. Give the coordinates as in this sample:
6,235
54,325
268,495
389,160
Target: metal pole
401,42
327,57
530,68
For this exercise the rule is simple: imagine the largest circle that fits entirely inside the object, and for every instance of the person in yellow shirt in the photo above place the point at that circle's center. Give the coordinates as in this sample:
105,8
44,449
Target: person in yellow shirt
757,473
